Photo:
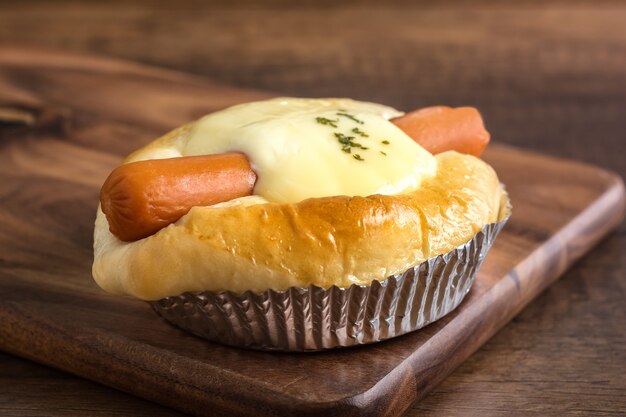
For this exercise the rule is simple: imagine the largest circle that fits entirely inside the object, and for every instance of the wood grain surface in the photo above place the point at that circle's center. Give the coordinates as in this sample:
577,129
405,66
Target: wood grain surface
547,75
53,313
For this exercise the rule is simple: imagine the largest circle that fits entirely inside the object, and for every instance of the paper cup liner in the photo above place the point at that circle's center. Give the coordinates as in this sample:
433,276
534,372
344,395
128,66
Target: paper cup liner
314,318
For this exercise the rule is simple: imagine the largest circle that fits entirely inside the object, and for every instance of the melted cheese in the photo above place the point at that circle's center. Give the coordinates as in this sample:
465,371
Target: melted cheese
297,154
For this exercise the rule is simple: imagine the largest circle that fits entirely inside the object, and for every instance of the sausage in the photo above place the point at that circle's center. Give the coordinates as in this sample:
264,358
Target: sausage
440,128
140,198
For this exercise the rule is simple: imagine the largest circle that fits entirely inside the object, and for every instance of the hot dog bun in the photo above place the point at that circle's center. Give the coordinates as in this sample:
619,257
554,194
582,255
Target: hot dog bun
255,243
140,198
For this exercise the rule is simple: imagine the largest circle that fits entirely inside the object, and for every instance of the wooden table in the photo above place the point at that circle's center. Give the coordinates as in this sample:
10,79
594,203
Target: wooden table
546,76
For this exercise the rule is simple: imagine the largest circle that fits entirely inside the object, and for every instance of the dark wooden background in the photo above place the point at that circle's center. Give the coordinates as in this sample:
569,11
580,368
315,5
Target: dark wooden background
550,76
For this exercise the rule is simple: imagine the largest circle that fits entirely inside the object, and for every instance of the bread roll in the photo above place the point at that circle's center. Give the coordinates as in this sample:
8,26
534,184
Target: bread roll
422,206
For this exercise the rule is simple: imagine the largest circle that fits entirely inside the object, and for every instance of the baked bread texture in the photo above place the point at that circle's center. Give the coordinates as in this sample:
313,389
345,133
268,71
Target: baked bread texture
254,244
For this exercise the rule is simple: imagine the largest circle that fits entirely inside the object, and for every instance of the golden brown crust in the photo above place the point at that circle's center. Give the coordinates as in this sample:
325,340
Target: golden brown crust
323,241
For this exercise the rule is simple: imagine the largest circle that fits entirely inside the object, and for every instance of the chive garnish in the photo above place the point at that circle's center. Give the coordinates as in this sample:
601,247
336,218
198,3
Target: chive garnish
346,140
360,132
351,117
326,121
385,142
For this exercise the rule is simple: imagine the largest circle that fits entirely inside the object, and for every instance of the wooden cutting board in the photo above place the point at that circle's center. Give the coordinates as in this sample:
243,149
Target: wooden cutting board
68,120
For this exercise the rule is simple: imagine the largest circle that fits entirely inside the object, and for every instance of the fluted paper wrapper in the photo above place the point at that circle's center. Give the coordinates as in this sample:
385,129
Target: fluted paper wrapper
314,318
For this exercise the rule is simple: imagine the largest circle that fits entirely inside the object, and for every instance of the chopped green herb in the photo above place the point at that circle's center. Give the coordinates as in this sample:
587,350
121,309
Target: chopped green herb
326,121
360,132
351,117
385,142
346,140
358,157
383,153
347,143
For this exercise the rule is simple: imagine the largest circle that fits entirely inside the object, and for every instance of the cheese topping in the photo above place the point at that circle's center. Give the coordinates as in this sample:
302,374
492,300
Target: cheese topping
303,148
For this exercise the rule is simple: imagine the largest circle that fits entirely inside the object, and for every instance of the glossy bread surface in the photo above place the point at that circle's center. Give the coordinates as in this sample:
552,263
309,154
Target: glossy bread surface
249,244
